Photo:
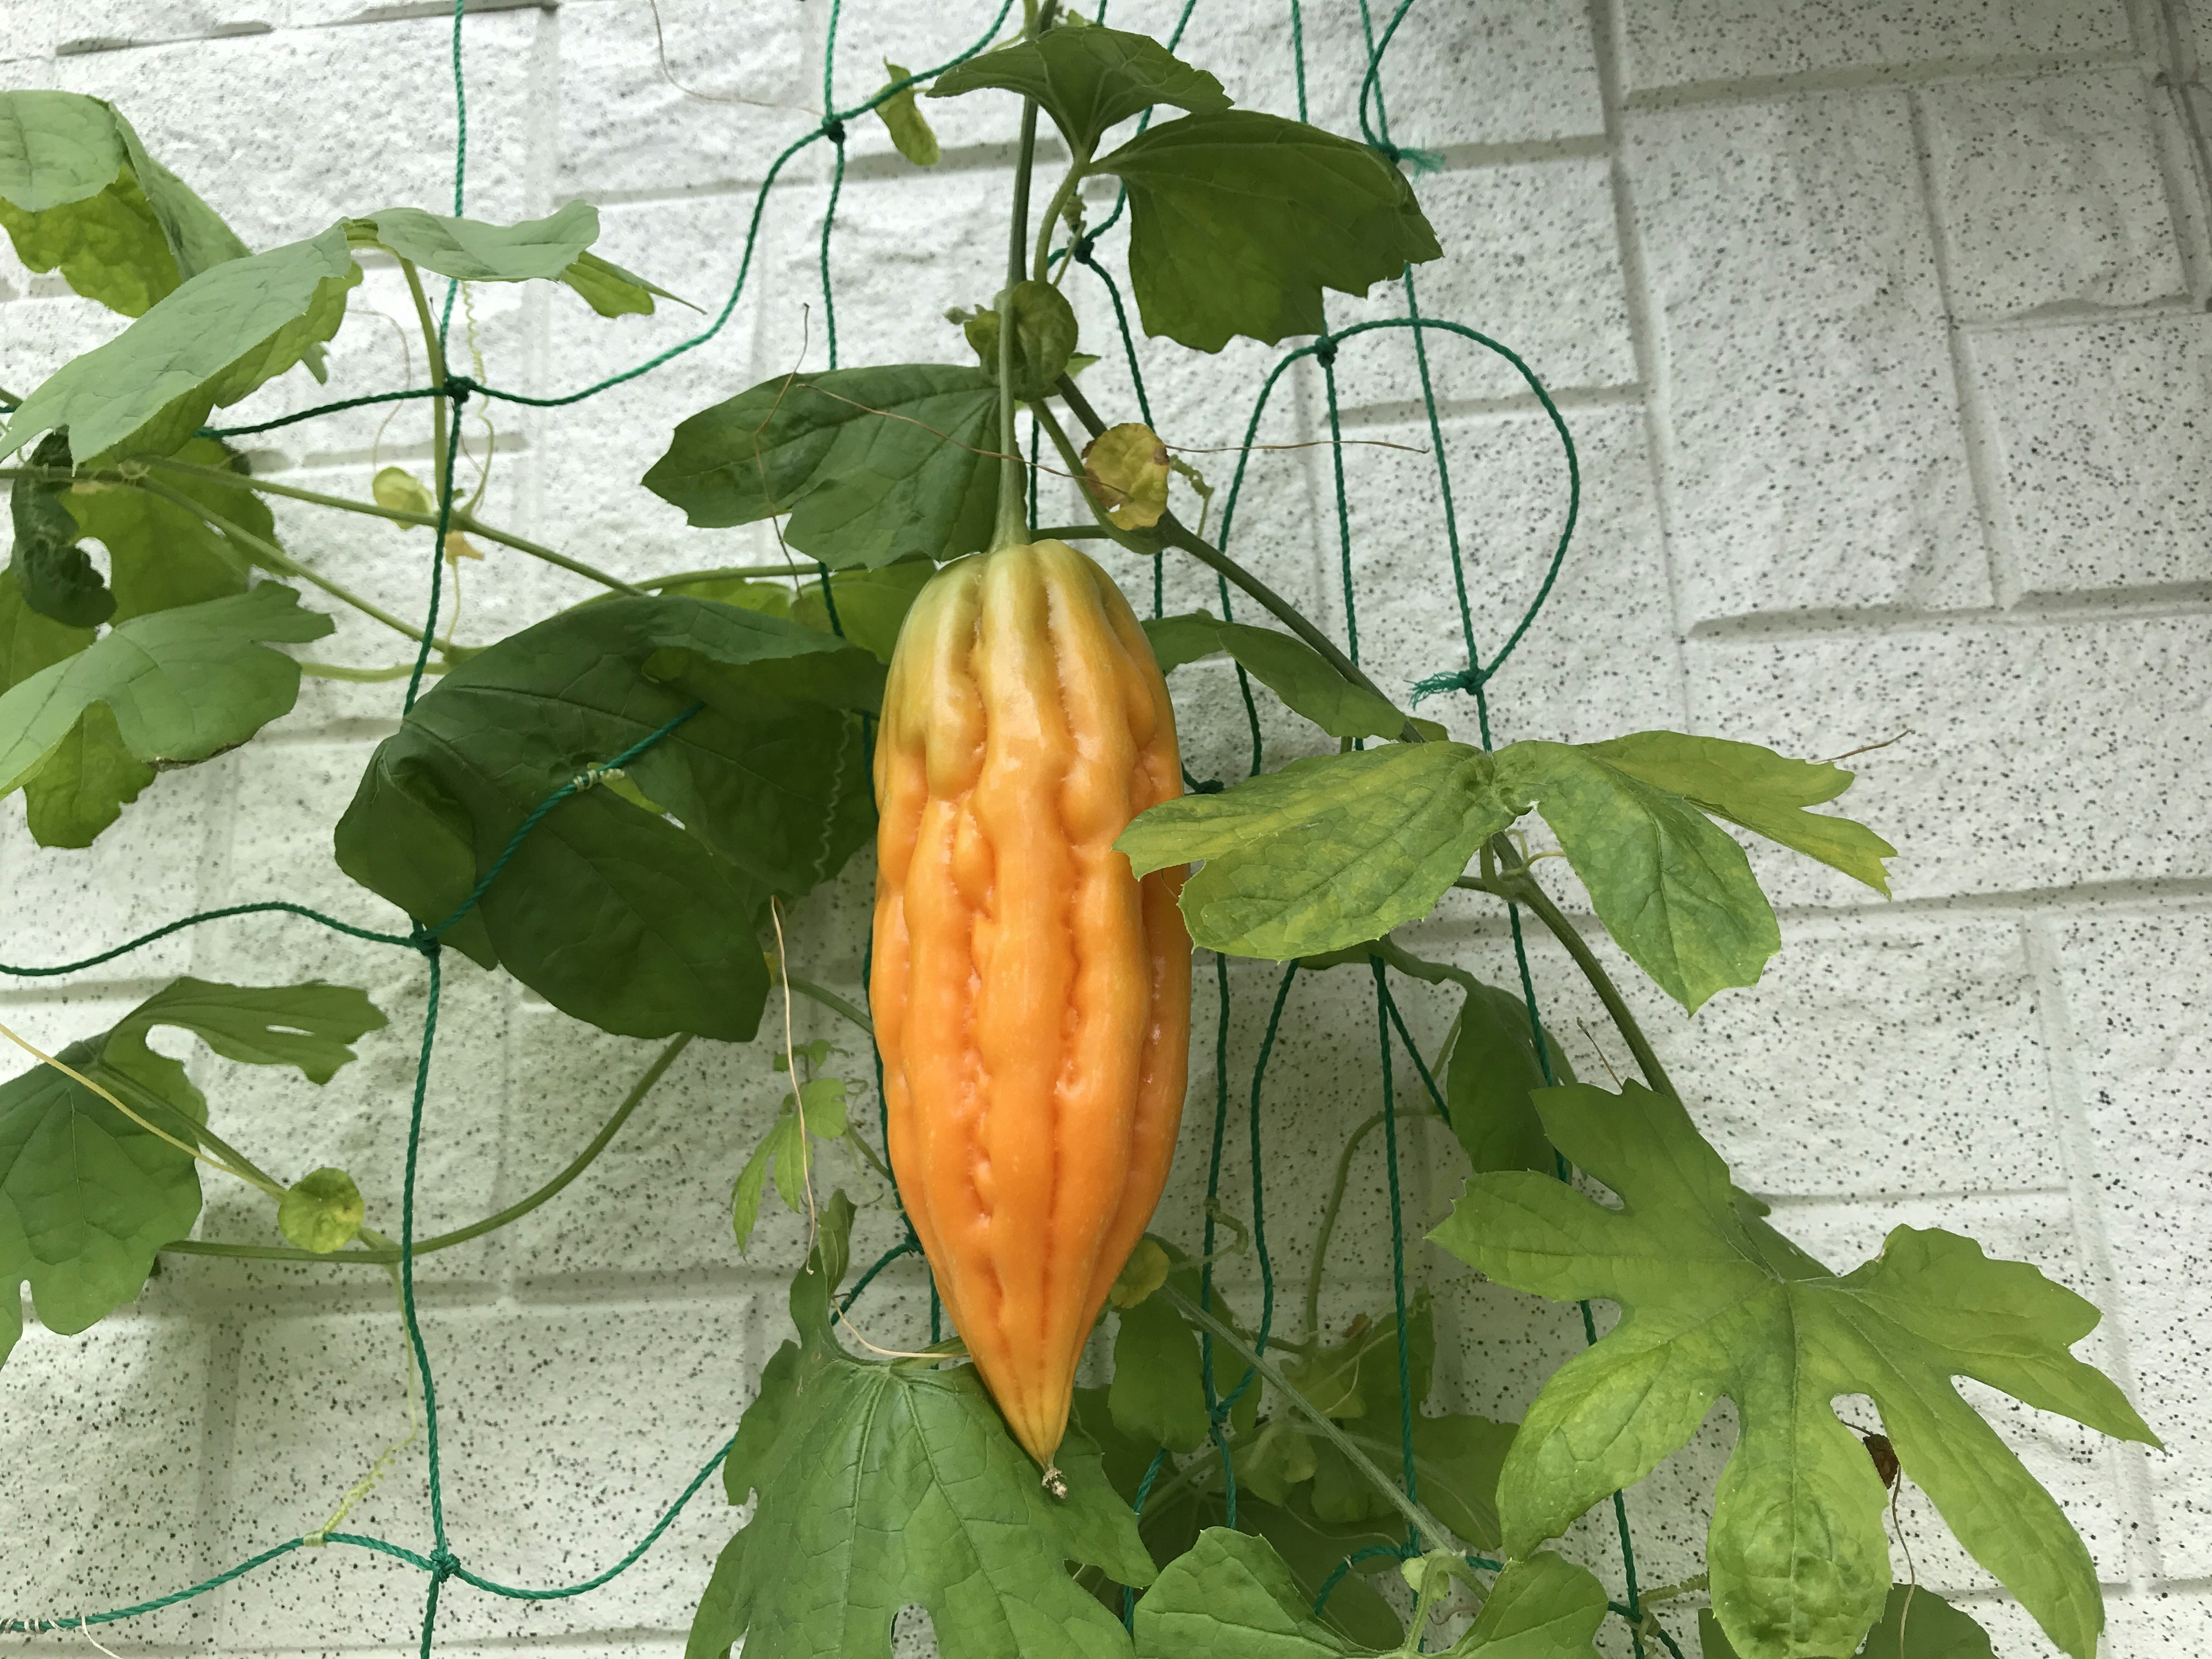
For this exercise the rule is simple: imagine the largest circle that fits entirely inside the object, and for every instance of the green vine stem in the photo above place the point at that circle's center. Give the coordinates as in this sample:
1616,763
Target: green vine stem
434,348
830,999
1336,1203
1422,1520
1172,532
1078,166
272,557
463,519
1514,884
388,1254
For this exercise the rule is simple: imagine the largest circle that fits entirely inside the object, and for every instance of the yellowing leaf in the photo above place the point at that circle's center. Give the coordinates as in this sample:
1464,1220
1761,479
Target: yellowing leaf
397,488
1145,1272
322,1212
910,130
1126,470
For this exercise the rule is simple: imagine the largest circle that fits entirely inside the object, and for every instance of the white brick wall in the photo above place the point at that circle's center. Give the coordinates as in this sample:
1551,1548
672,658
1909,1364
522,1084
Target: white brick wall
1881,328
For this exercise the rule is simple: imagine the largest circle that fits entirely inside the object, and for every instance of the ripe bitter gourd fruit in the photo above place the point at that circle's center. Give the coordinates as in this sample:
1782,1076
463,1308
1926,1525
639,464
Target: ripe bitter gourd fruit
1031,996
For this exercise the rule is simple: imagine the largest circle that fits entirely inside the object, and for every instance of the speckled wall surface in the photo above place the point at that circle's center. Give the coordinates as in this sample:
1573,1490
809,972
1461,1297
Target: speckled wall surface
1880,325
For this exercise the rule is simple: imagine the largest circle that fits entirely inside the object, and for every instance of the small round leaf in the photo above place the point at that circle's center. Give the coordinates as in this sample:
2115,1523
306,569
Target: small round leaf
322,1212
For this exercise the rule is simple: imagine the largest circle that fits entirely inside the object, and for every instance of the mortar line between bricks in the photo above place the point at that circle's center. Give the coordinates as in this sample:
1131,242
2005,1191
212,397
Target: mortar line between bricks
1977,431
2034,611
1691,94
1651,367
1462,409
2077,1152
2189,178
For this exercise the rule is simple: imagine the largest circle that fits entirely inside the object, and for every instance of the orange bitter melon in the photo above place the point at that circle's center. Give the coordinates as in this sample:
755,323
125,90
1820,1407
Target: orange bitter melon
1031,996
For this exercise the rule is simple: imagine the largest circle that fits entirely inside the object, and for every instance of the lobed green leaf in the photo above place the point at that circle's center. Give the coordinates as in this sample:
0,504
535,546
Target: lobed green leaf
551,249
1087,79
1239,221
1716,1302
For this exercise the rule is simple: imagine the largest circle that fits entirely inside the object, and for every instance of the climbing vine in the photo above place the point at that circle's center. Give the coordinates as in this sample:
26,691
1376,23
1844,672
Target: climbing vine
618,805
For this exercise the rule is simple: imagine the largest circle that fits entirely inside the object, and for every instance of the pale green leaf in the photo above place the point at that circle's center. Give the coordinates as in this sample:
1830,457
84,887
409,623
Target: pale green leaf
909,128
1676,893
873,464
1286,664
1280,1459
210,343
1915,1624
1239,221
1358,1375
79,194
1714,1302
1765,792
893,1485
1184,638
1087,79
551,249
1044,338
870,604
1232,1596
183,684
1156,1393
321,1212
1327,851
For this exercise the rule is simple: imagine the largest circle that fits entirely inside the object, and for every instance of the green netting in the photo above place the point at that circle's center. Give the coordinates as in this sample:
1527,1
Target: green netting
439,1562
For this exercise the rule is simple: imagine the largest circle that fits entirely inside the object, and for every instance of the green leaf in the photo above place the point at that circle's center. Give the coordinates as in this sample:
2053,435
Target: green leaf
1358,1376
1765,792
1087,80
311,1027
783,1150
909,128
79,194
873,464
1933,1629
161,556
183,684
899,1484
1238,221
1233,1597
1458,1459
1286,665
1281,1458
29,641
1675,893
1044,338
321,1212
1716,1302
1491,1078
84,785
870,604
617,915
210,343
55,576
88,1195
1156,1393
1327,851
550,249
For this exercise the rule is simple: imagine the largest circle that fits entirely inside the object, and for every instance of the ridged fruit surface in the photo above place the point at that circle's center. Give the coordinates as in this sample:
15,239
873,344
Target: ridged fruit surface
1032,997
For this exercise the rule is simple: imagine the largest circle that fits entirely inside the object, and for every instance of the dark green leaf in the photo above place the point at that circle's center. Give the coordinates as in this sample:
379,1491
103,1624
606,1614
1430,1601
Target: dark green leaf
1239,221
1281,1457
1087,79
1765,792
1675,893
161,555
613,913
716,1625
321,1212
1358,1376
1490,1079
1185,638
1714,1301
1156,1393
1044,338
1456,1459
897,1485
84,783
873,464
183,684
55,576
79,194
1327,851
550,249
910,130
210,343
870,604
